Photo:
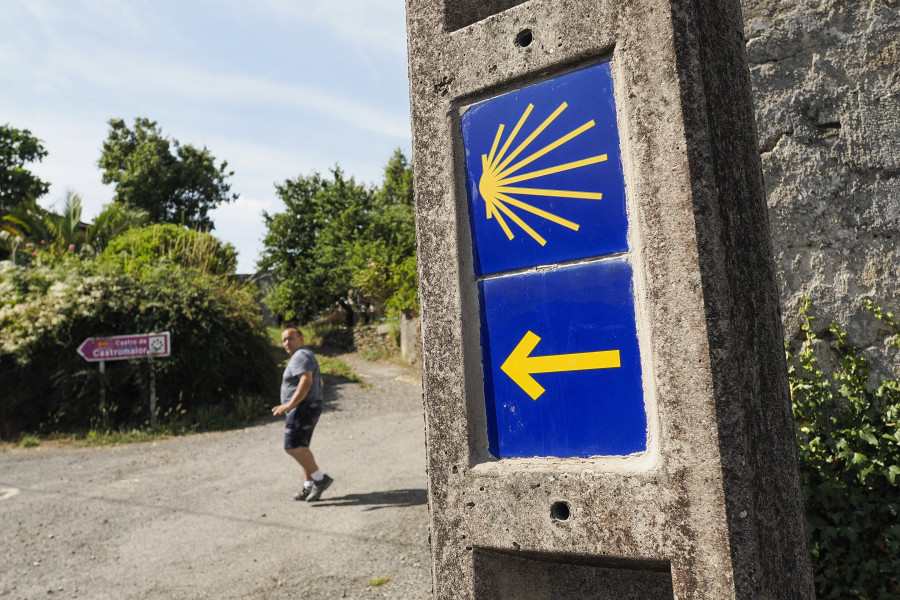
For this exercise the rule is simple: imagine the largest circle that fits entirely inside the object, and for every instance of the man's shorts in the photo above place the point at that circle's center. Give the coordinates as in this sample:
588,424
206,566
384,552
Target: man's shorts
300,423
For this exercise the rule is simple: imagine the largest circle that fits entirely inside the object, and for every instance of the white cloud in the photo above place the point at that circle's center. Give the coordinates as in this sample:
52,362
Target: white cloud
69,57
131,18
148,76
259,167
366,22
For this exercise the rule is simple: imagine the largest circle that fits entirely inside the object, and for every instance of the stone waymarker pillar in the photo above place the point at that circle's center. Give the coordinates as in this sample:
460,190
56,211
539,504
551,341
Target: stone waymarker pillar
607,411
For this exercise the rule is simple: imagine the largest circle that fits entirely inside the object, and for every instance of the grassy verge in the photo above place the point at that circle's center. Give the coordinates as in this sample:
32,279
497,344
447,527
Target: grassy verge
231,414
109,438
337,368
94,438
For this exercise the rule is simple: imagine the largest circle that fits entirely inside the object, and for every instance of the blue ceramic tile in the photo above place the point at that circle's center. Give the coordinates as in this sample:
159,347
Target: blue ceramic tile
544,173
585,397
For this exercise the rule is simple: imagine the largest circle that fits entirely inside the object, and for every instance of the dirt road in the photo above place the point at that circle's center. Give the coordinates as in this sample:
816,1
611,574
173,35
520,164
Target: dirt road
212,515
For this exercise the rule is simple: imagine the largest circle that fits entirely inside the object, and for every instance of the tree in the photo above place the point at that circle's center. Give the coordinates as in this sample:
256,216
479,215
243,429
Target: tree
308,246
173,183
17,148
338,241
385,253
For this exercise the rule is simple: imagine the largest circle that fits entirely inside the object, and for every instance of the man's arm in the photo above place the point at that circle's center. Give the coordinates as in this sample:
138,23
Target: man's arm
299,395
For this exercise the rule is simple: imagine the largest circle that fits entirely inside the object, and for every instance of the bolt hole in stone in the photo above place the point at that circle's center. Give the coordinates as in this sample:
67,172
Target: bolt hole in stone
560,511
524,39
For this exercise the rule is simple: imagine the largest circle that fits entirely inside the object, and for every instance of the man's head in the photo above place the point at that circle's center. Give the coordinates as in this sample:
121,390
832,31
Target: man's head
292,339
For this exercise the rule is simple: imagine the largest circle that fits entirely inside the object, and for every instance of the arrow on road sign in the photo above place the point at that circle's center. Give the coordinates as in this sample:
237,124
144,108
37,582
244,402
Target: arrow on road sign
520,365
125,347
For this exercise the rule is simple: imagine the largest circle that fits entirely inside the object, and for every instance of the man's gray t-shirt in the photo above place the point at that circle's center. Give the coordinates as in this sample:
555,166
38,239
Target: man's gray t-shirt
303,360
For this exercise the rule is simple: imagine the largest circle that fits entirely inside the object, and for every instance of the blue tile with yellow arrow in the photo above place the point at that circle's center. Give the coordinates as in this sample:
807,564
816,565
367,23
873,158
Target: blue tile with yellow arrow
562,363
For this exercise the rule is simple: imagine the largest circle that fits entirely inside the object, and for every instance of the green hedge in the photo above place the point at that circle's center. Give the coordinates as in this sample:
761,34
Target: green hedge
849,445
220,350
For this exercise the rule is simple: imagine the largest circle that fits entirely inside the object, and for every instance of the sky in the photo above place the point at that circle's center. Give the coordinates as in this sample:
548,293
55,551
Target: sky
277,88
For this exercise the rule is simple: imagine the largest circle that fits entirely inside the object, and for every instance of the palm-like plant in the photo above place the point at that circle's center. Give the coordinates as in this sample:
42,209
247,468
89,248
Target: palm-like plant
115,218
65,232
26,222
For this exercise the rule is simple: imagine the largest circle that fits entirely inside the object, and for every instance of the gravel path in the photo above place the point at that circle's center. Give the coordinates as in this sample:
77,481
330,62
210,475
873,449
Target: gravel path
212,515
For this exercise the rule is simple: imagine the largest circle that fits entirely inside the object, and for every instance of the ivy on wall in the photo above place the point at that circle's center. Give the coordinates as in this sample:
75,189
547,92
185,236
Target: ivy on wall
849,445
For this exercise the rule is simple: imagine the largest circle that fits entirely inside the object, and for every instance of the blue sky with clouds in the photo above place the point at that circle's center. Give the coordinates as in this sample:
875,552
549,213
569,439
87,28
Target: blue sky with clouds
278,88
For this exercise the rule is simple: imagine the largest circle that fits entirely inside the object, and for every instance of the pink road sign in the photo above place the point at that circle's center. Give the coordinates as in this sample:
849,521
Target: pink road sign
126,347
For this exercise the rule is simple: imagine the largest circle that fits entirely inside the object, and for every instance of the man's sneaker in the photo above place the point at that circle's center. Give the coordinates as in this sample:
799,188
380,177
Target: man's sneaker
318,487
302,494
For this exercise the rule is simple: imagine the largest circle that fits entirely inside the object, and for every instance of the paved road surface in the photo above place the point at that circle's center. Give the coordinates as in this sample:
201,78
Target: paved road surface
212,515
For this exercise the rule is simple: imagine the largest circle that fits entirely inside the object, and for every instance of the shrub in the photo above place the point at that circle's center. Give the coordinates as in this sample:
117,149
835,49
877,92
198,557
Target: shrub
849,447
220,351
141,249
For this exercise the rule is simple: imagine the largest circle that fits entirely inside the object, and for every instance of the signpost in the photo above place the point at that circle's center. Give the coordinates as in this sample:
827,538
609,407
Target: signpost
562,363
127,347
544,173
606,403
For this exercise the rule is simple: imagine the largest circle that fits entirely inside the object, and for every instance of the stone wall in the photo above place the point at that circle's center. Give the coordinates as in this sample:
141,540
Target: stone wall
826,82
388,339
382,338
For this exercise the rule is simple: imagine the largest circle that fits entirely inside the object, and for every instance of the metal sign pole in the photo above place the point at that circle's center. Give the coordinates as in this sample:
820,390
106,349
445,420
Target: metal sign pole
103,417
152,393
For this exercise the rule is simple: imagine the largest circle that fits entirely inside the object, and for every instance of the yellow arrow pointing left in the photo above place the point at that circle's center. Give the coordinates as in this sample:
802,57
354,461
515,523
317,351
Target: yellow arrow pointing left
520,366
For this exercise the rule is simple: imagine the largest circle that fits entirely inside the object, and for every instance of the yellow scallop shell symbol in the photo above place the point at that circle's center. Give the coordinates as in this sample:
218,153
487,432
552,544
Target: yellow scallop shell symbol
498,177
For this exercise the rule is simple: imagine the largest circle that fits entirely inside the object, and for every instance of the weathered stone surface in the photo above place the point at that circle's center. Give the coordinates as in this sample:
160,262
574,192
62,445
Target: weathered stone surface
826,85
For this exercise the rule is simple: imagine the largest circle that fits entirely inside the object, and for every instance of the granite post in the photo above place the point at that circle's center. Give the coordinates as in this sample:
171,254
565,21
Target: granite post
646,448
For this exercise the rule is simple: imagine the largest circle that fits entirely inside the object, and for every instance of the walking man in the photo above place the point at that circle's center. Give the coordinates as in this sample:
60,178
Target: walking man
301,401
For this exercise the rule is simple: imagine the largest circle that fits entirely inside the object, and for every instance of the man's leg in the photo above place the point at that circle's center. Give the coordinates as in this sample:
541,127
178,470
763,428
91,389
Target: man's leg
312,487
306,459
298,433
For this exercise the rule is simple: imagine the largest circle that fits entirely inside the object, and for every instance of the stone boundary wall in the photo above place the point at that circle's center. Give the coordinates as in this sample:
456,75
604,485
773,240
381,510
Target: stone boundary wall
411,340
826,87
382,337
